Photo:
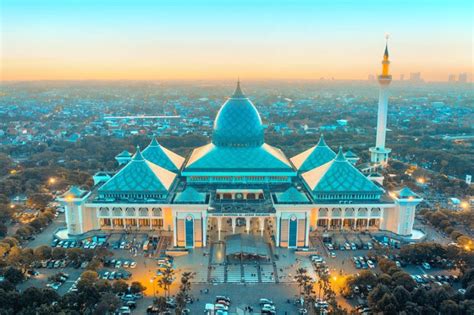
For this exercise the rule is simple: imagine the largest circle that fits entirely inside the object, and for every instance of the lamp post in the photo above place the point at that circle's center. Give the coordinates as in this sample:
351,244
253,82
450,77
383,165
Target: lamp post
152,280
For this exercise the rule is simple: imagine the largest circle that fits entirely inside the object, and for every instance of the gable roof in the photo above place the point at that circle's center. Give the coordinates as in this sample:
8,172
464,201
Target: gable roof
191,195
162,157
140,175
339,175
291,195
315,156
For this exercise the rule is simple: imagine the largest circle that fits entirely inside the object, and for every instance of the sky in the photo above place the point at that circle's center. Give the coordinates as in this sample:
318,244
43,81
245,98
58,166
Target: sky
214,40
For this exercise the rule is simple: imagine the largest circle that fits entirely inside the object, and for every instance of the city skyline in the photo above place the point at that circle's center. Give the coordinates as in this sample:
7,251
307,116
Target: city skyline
85,40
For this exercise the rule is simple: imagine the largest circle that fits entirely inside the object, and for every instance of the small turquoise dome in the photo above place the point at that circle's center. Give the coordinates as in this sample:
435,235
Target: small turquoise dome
238,123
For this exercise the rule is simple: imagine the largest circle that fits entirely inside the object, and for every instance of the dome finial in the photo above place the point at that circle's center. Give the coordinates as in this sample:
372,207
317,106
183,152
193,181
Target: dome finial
138,155
238,91
340,155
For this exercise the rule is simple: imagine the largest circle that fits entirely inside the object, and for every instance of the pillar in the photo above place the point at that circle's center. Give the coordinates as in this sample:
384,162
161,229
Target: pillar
277,238
175,226
219,226
204,231
233,224
247,225
306,236
261,223
369,212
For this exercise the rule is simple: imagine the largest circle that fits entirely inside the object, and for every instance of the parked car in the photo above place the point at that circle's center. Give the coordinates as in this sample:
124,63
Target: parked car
426,266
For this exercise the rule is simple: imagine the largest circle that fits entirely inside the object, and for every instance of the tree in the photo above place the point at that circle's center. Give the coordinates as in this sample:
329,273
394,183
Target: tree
103,286
3,229
449,307
13,275
119,286
42,252
166,279
88,279
401,278
74,254
184,289
387,304
402,296
137,287
58,253
467,278
160,304
108,304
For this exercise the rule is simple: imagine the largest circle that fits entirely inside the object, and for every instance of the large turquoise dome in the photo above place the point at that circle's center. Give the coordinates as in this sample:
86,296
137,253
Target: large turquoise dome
238,123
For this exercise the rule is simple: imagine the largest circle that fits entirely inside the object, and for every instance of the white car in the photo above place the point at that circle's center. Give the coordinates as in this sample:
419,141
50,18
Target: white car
124,310
219,306
265,301
370,264
332,254
426,266
133,264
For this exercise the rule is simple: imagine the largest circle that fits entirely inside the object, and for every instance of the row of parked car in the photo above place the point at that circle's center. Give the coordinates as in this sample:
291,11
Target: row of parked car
59,263
62,277
77,244
115,275
348,246
361,262
118,263
436,279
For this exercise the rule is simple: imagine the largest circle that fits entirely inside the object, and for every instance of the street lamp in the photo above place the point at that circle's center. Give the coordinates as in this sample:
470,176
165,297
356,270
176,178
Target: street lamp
52,180
152,280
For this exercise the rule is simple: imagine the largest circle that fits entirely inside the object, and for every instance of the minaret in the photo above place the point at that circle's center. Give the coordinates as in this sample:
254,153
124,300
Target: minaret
379,153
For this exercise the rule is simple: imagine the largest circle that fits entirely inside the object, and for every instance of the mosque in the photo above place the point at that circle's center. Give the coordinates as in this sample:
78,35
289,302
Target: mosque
238,184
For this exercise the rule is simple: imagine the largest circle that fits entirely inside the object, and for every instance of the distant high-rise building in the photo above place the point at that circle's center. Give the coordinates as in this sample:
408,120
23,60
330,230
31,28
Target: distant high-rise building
379,153
462,77
415,76
452,78
371,77
402,77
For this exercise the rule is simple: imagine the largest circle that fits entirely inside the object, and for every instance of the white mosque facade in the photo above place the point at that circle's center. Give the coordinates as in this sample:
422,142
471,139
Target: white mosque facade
239,184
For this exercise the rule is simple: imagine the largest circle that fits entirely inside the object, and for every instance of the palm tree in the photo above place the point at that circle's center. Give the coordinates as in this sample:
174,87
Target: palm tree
166,280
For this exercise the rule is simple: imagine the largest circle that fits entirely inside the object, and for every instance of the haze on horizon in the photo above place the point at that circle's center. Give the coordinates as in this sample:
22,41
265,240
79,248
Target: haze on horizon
214,40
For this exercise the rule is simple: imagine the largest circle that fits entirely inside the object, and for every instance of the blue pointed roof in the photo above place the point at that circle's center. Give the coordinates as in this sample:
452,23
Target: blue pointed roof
338,176
163,157
238,159
406,193
291,195
316,156
140,176
124,153
190,195
238,123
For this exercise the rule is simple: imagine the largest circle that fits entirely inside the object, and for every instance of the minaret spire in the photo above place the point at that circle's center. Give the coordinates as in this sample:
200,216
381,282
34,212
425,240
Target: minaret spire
379,153
238,91
385,61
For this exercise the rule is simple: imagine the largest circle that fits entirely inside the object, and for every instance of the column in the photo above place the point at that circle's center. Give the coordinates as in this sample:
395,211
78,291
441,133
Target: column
233,224
261,223
369,210
247,225
306,236
112,223
219,226
204,231
277,236
174,232
151,225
